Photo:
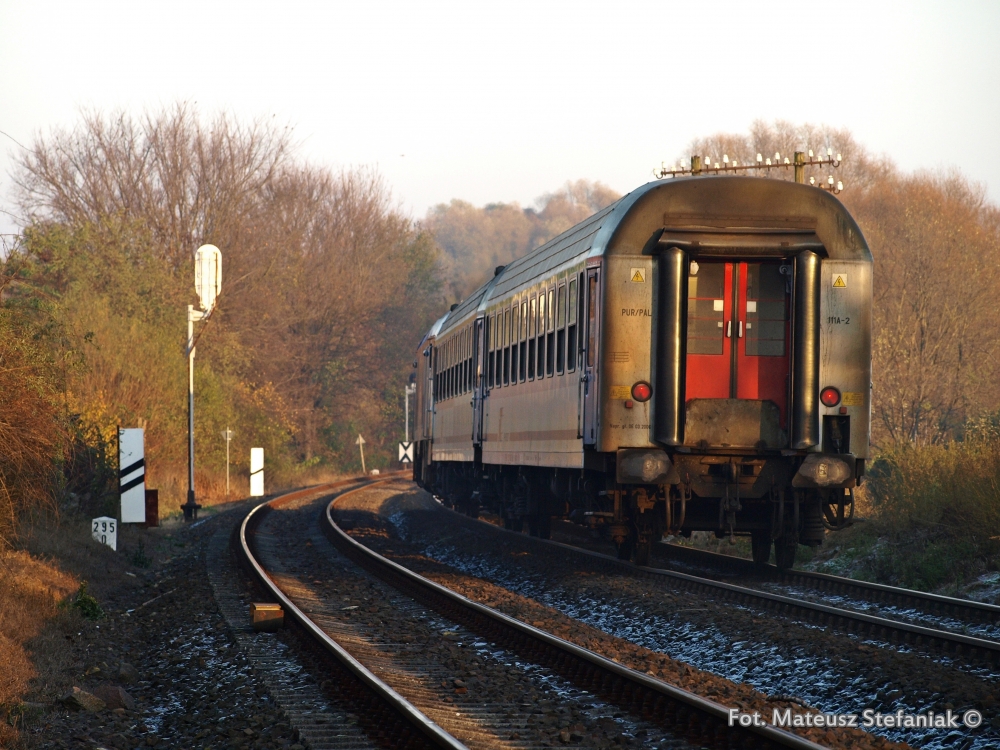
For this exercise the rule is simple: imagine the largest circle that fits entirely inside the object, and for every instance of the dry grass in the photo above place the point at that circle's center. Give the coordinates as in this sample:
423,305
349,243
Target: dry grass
31,589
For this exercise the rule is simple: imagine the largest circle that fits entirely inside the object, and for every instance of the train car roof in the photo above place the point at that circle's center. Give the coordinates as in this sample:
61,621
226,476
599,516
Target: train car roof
571,243
728,214
434,331
707,214
468,307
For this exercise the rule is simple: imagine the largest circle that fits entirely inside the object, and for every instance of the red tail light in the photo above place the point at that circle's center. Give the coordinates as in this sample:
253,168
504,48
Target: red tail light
642,391
830,396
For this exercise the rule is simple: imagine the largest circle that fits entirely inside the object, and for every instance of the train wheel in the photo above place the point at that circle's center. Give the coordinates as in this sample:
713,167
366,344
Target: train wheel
643,549
624,549
545,527
784,551
760,543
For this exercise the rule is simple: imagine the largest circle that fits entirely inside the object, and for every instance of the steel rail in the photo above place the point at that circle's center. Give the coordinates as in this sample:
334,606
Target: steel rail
429,729
979,649
875,592
679,711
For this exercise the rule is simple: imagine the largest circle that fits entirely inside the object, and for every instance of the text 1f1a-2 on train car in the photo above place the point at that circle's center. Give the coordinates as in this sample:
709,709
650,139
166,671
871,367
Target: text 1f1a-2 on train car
695,356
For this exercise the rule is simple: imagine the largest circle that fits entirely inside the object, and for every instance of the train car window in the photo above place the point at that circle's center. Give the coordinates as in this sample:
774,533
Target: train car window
591,320
579,306
532,316
572,301
513,360
541,334
552,311
523,360
531,359
571,329
524,320
516,327
506,346
561,329
489,351
767,310
706,294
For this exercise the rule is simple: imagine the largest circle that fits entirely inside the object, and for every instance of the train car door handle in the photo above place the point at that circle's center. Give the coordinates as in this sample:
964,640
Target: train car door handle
741,329
729,329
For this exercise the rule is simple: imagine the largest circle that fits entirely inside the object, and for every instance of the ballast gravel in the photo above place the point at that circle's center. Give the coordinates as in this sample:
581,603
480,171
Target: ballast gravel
478,692
164,645
376,521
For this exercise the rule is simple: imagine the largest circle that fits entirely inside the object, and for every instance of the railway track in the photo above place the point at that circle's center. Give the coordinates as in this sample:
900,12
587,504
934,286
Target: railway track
981,652
362,689
688,718
964,610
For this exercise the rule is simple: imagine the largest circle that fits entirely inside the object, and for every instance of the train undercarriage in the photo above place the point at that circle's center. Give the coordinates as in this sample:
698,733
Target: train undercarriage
730,496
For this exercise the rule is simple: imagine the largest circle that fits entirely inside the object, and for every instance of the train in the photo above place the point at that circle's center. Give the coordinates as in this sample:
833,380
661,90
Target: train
694,357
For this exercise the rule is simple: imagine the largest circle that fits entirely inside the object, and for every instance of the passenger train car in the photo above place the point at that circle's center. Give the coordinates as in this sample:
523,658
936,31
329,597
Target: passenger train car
695,356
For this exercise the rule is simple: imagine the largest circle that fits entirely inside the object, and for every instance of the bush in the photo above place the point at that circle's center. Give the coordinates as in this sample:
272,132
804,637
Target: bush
87,604
937,510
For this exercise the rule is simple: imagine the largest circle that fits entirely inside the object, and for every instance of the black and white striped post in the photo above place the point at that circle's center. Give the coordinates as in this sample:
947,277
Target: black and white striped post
208,284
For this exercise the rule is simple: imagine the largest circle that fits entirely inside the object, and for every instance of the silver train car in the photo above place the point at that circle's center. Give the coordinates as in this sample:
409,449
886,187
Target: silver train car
694,357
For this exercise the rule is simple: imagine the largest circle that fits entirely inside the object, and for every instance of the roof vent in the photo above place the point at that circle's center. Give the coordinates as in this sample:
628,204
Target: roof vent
498,270
453,307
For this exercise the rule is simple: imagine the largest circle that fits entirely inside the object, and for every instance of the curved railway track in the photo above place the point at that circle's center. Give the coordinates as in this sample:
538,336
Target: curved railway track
977,651
410,727
684,715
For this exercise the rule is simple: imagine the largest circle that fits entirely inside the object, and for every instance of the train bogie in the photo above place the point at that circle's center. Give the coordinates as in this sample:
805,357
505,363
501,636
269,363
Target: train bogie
693,357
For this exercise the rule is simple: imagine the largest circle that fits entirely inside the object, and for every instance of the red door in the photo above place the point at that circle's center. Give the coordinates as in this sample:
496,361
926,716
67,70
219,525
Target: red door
709,330
738,331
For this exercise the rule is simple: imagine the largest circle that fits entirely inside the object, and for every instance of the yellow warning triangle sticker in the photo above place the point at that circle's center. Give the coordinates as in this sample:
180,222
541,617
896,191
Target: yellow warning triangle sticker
839,283
637,276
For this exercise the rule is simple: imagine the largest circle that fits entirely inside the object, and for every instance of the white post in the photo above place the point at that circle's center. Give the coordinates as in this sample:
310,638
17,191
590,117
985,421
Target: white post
360,442
228,435
256,472
208,284
190,508
409,390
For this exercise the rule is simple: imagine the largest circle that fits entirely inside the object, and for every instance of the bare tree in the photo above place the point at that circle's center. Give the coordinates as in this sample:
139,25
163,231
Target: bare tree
313,259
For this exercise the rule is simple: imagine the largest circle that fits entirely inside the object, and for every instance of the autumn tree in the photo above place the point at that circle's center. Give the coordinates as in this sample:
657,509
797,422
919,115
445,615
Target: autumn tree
325,280
474,240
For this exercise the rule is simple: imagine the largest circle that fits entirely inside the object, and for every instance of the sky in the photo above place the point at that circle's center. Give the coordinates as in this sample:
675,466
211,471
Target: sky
506,101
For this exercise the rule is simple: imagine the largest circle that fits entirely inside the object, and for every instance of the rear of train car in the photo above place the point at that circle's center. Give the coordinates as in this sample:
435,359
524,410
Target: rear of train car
694,357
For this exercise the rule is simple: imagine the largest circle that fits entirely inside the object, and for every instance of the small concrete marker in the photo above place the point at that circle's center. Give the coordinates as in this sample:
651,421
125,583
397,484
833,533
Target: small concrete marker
104,529
266,617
